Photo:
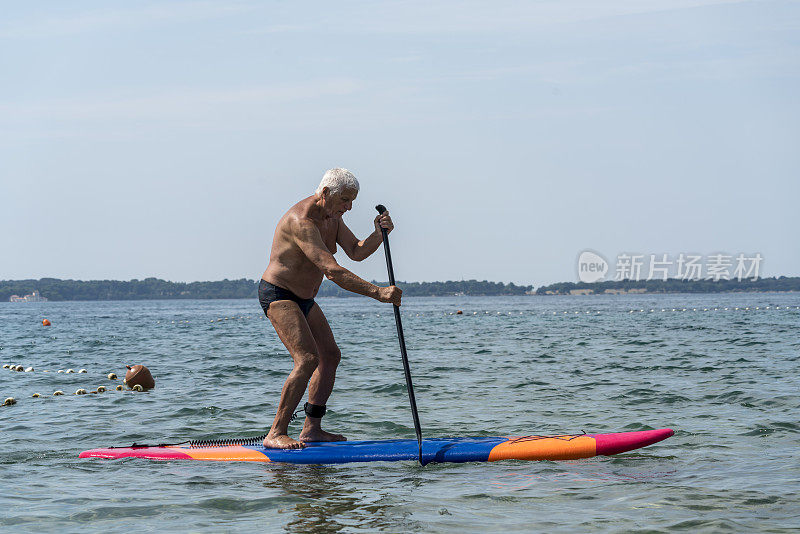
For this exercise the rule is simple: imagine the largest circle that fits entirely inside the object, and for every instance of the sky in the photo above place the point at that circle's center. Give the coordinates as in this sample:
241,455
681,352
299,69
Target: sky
167,138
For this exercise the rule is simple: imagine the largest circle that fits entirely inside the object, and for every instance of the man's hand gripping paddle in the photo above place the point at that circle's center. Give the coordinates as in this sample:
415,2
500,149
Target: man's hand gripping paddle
381,209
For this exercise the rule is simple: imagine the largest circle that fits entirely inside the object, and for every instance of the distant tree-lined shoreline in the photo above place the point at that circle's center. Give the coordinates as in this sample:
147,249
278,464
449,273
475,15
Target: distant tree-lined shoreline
156,289
672,285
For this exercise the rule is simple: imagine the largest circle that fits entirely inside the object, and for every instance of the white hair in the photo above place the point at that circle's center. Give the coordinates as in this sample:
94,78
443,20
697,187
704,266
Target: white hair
337,180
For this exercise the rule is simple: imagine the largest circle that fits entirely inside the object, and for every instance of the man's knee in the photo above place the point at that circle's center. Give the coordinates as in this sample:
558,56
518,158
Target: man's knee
305,364
331,356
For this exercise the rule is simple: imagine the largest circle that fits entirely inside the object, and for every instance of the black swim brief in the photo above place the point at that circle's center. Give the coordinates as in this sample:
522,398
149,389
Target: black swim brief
269,293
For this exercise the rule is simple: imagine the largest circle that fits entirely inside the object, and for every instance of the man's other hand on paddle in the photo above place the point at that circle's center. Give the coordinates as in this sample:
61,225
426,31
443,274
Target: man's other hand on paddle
384,221
390,294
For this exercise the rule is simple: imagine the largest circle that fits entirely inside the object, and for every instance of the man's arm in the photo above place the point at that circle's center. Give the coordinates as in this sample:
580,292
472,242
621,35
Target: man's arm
360,250
310,242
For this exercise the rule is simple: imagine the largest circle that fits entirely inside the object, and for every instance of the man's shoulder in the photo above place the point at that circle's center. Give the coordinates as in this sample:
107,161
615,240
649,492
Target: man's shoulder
298,215
339,224
293,223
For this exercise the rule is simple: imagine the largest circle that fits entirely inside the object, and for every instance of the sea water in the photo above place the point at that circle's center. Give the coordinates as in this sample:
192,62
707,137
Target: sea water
725,379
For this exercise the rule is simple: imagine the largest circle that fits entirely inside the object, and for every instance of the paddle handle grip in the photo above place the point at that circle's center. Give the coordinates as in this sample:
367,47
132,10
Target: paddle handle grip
382,209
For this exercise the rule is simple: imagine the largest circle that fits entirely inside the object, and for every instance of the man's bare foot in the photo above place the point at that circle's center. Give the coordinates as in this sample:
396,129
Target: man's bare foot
319,435
282,441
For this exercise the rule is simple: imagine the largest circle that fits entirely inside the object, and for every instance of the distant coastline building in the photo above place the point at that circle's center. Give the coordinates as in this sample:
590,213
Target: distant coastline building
33,297
581,291
625,291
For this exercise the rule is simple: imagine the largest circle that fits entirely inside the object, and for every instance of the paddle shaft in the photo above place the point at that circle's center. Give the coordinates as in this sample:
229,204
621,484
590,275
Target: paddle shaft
412,400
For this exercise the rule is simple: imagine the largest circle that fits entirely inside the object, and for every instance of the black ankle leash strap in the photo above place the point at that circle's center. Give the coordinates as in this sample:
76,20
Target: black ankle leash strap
311,410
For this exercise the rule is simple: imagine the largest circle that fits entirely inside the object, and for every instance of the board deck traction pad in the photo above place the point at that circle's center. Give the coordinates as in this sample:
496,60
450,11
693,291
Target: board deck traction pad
478,449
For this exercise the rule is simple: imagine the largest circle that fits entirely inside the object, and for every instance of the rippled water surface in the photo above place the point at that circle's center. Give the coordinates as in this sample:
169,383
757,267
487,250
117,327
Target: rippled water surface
727,381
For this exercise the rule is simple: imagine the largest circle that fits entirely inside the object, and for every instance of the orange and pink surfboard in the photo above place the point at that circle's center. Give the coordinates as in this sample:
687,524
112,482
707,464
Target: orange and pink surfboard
482,449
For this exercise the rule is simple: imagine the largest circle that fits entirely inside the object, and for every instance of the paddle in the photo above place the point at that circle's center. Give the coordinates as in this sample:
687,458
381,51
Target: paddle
381,209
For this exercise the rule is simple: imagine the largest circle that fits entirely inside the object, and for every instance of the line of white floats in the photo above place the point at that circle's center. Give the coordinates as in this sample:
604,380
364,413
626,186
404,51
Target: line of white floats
570,312
10,401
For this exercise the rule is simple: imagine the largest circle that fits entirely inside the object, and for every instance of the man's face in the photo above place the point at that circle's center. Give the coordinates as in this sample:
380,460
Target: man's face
342,202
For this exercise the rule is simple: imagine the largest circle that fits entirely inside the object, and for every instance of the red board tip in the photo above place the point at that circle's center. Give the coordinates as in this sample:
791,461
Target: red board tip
608,444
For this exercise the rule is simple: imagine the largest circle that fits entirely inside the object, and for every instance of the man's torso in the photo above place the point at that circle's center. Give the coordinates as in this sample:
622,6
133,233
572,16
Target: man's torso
289,267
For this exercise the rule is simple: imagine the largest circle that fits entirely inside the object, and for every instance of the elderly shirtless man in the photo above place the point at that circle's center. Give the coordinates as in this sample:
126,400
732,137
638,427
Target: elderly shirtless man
302,252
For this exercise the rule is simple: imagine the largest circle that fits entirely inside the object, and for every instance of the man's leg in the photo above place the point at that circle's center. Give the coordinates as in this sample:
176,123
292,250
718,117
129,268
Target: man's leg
294,331
321,385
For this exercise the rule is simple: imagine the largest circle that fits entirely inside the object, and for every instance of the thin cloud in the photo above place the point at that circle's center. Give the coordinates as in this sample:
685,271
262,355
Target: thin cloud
480,17
277,28
399,17
178,103
109,19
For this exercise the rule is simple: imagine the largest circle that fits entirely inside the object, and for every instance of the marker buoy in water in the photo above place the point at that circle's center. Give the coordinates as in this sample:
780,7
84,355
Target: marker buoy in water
46,322
139,375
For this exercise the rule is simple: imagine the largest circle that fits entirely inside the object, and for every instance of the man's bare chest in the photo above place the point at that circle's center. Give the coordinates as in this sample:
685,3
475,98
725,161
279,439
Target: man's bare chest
328,233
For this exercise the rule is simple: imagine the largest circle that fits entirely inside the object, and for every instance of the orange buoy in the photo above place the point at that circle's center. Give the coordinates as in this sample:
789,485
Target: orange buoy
459,312
45,322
